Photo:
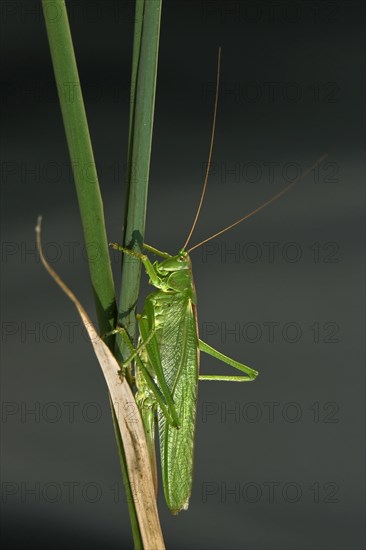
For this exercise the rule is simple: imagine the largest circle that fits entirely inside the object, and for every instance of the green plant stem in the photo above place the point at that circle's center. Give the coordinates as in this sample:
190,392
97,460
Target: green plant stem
143,87
142,102
88,192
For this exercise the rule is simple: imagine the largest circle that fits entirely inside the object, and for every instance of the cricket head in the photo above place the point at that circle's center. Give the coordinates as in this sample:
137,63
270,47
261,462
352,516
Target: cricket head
180,262
176,272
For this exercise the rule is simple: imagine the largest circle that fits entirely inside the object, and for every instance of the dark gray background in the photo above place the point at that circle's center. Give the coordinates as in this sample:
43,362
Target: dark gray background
292,89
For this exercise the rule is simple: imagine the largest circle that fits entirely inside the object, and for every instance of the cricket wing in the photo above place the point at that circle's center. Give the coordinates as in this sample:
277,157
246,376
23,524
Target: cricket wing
179,356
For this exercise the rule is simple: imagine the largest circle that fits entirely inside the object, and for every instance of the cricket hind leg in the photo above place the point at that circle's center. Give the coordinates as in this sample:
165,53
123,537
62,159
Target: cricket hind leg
250,373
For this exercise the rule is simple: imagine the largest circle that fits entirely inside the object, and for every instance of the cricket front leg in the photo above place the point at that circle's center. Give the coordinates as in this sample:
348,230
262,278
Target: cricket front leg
150,270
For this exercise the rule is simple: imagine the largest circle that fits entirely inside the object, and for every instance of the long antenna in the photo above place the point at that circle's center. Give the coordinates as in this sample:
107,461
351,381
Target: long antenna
272,199
210,152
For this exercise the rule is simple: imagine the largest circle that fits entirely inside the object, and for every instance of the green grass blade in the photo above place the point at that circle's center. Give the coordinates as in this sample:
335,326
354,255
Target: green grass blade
82,160
143,86
137,35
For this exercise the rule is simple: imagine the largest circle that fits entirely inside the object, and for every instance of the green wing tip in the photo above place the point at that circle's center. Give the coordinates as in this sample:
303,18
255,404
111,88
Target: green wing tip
175,511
